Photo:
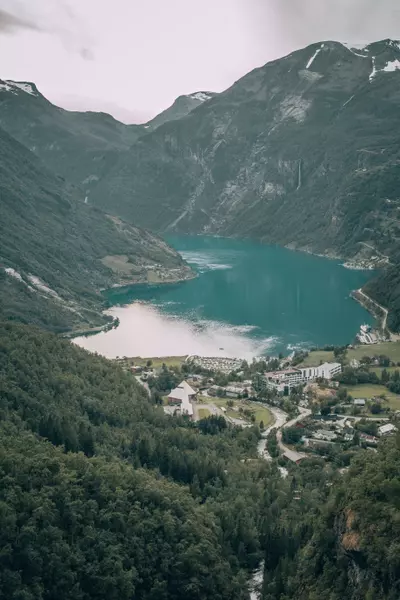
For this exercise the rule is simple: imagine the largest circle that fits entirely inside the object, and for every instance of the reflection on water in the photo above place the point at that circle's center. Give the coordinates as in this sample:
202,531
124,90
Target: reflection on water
248,299
145,331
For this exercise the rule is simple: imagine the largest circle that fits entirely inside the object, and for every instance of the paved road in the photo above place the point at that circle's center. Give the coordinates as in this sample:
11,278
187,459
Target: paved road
280,423
144,384
280,420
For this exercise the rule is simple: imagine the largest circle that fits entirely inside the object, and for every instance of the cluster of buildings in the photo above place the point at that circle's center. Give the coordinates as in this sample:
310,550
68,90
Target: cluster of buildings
287,378
343,431
216,363
236,390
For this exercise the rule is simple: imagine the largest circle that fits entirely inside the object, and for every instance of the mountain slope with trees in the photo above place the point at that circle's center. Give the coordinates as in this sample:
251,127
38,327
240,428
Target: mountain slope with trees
103,496
54,247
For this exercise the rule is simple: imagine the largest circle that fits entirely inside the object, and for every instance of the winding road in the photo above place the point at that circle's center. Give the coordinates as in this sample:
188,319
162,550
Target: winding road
281,422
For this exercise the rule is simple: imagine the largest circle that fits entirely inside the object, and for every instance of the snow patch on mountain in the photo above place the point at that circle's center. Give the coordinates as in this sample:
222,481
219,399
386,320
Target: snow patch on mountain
13,87
13,273
202,96
374,69
390,67
40,285
393,65
310,62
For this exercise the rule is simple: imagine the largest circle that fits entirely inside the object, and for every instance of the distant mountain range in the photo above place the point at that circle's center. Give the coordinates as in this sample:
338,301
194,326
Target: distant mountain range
301,152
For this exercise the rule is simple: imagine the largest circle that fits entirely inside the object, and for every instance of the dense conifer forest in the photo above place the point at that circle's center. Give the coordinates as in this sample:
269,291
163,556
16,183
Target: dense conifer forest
103,496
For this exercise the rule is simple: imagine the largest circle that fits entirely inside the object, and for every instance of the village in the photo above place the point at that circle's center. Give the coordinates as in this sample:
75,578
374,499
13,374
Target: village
300,408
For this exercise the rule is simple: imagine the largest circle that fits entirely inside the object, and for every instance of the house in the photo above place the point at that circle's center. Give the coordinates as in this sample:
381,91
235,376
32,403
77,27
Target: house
348,434
354,363
368,439
293,456
234,391
319,443
387,429
182,397
325,434
359,401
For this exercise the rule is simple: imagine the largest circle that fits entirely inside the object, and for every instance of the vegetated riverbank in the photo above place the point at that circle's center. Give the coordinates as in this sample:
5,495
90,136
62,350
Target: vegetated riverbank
113,324
366,259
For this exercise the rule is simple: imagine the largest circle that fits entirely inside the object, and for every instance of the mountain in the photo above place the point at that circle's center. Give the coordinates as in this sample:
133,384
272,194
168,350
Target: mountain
56,252
72,144
302,152
182,106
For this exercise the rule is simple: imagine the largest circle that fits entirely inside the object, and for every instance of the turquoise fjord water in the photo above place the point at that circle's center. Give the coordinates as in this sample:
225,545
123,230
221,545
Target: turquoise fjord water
249,299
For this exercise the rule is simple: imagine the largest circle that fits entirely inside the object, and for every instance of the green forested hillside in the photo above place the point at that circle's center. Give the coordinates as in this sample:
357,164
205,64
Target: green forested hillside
143,506
385,289
103,496
48,233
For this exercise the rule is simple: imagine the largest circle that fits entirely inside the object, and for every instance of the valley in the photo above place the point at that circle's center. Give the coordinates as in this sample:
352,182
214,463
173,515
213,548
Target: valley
258,454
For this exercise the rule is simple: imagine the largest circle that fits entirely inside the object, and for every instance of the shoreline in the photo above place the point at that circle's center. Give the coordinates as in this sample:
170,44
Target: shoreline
70,335
117,286
189,274
374,309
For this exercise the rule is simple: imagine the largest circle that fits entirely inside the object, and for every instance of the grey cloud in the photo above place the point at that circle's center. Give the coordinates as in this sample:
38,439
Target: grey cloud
86,54
355,19
61,22
10,23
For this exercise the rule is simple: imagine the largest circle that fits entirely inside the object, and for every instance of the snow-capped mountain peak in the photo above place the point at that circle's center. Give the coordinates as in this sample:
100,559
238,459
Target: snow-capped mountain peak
17,86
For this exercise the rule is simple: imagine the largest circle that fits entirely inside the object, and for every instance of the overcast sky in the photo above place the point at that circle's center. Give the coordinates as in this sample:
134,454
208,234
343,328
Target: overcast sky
132,58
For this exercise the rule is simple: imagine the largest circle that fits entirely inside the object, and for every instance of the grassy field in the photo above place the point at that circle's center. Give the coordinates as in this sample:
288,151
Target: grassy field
261,413
369,390
390,349
204,413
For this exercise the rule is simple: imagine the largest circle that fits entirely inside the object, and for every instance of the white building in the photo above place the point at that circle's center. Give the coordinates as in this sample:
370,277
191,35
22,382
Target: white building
288,377
325,434
324,371
386,429
182,397
297,376
233,391
359,402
